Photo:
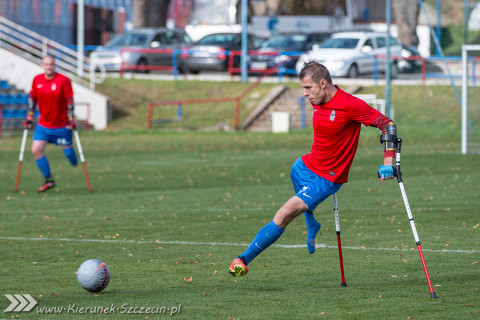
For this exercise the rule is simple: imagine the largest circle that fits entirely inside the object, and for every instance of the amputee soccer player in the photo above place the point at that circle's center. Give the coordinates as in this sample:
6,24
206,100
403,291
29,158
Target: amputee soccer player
53,94
337,120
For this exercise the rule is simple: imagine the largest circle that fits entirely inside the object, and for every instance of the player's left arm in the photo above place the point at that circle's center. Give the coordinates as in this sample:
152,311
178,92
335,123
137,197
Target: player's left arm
389,141
68,93
71,114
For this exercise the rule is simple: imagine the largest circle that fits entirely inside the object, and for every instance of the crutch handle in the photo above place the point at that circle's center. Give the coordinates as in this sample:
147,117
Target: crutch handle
396,171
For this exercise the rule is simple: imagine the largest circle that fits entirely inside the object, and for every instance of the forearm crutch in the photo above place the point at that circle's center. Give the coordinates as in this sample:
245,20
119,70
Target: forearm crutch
398,174
82,159
20,158
337,226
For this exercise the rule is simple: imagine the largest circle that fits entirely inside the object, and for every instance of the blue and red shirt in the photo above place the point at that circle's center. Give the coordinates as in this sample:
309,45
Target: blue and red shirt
336,128
52,96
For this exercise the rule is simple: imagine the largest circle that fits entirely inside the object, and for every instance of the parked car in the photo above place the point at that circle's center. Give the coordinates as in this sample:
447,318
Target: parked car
210,52
350,54
289,46
409,65
111,57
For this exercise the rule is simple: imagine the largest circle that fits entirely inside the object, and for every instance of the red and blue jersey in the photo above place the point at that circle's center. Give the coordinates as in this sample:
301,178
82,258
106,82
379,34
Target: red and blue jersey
52,96
336,128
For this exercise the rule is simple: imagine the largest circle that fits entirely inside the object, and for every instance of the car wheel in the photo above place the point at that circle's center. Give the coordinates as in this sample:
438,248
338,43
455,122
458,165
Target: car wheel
394,70
353,71
141,64
193,71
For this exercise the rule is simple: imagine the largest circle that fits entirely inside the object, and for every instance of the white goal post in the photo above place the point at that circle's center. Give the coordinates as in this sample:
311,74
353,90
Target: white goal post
465,50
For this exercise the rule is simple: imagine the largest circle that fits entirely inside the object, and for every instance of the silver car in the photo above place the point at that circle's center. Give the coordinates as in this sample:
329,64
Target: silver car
350,54
133,49
212,51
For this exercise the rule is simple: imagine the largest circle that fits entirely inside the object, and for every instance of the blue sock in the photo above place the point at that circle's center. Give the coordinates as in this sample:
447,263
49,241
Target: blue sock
312,228
71,156
264,238
44,167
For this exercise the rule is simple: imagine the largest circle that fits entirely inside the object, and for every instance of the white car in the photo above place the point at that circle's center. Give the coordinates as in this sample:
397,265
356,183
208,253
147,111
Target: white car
349,54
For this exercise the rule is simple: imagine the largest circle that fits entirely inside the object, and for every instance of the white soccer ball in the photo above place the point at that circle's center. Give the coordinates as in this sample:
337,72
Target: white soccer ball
93,275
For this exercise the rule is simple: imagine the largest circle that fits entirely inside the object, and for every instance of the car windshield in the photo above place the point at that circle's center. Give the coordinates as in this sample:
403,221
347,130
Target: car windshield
128,40
216,39
340,43
290,42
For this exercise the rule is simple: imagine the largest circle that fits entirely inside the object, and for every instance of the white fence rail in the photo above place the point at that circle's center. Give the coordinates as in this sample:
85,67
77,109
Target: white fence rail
34,47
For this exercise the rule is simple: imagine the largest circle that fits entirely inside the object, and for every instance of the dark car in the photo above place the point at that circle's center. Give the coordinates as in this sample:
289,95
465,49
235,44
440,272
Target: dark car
211,51
130,48
289,46
413,65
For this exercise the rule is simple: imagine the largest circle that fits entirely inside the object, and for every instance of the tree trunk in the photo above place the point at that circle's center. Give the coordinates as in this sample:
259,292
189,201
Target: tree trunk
406,16
149,13
139,19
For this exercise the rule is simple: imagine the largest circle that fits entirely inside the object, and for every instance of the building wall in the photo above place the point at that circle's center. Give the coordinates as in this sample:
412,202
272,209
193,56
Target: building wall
57,19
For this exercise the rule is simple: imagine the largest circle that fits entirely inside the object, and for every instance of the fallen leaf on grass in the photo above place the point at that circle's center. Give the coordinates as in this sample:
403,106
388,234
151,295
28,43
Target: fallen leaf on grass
188,279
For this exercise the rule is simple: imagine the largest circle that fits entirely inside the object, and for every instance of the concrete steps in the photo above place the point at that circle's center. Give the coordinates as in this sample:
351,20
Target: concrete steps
284,100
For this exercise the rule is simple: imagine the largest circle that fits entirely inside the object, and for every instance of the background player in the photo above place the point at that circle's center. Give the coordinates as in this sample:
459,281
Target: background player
53,94
337,119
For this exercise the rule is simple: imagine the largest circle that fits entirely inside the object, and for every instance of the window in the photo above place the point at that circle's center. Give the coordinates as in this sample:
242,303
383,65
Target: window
183,38
216,39
393,41
129,39
160,37
381,42
340,43
368,42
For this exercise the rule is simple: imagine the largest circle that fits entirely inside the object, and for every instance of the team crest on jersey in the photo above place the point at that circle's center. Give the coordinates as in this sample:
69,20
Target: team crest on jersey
54,87
332,115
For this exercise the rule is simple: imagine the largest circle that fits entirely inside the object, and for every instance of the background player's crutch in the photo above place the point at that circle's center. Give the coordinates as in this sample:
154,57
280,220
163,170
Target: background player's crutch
337,225
82,159
20,158
398,173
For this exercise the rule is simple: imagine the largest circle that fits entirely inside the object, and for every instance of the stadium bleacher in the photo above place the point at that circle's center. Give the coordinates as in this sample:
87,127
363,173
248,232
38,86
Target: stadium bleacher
13,107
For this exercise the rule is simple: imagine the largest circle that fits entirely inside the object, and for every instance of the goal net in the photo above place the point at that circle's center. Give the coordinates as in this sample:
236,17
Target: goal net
470,99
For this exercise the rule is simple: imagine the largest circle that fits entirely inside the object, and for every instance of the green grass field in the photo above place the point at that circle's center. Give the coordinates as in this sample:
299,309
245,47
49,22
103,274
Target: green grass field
170,210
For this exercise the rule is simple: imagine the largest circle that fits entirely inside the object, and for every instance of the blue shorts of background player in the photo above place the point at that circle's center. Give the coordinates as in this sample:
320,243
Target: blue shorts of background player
58,136
312,189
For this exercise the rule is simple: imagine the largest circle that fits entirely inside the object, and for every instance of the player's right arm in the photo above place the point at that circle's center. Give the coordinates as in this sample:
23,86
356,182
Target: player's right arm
32,104
389,141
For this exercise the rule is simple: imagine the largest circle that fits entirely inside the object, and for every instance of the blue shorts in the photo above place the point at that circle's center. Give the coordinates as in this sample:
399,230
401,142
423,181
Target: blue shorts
58,136
309,186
